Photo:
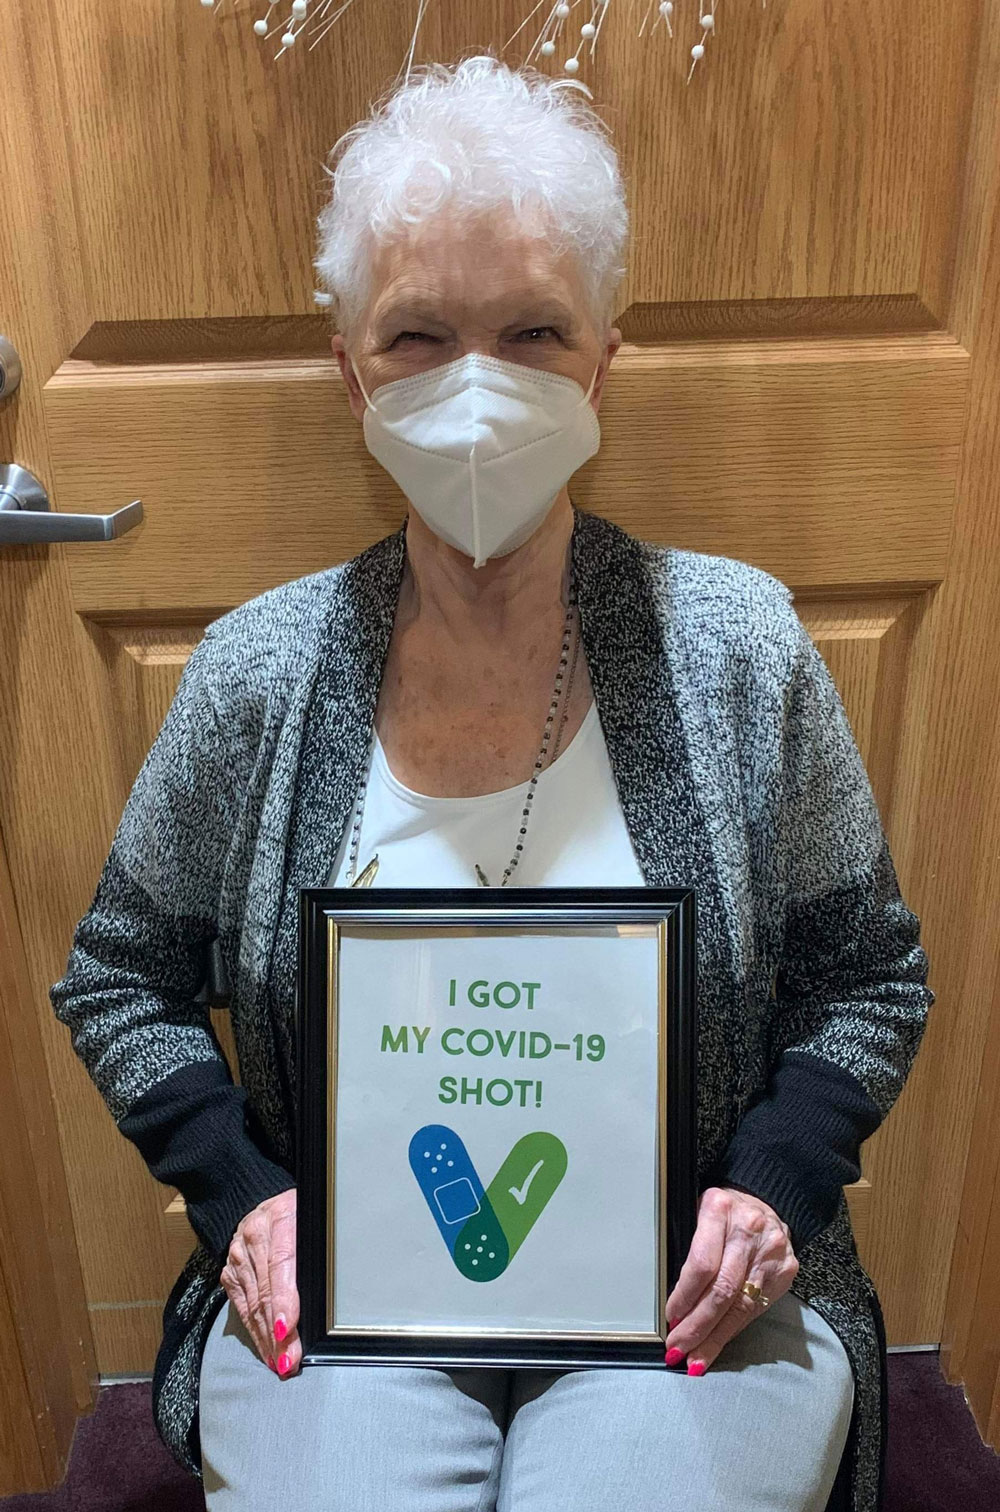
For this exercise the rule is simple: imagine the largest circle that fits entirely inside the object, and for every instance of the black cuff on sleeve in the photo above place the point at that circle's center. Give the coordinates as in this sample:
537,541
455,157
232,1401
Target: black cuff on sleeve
191,1129
798,1145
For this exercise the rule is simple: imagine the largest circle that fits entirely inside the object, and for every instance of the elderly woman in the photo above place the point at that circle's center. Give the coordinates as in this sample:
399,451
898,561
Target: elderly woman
509,690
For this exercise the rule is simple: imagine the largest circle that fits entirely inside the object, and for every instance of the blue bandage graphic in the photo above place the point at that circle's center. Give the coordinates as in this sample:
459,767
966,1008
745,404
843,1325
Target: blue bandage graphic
447,1178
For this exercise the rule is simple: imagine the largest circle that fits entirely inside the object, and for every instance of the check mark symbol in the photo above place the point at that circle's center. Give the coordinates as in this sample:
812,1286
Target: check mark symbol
520,1194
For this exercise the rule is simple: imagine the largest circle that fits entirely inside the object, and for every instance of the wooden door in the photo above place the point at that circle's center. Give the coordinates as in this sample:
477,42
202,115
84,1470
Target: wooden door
809,382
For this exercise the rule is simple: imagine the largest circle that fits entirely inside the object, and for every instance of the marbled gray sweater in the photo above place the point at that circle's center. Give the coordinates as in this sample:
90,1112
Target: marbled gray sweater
738,774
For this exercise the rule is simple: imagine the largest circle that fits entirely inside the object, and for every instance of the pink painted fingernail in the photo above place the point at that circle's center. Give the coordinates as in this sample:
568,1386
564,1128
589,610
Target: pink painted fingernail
697,1367
272,1364
674,1356
284,1364
280,1329
674,1323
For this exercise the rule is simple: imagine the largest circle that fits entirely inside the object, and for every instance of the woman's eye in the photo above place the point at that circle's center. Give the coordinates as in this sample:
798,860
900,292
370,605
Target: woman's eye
531,331
410,336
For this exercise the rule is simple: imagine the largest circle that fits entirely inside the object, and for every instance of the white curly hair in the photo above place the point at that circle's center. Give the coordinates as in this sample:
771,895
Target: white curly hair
473,136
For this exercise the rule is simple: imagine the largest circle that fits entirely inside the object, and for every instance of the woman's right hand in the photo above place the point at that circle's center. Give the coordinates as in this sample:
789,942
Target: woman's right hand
259,1279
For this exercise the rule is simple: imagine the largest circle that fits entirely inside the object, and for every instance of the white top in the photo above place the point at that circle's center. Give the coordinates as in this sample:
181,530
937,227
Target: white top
576,831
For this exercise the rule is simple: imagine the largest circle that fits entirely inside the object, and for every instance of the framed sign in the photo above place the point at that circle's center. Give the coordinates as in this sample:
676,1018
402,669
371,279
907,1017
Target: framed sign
496,1123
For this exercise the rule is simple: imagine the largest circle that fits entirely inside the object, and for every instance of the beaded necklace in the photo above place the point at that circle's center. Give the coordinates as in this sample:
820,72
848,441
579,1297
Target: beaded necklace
368,874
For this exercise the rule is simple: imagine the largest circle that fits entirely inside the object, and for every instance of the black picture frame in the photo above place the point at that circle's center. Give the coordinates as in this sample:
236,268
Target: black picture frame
675,910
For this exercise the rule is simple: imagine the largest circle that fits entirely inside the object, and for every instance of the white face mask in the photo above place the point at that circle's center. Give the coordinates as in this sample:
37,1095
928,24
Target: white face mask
482,447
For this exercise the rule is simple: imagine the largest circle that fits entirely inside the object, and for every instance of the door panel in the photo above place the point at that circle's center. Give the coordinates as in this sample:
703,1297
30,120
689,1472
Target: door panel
828,461
807,383
815,157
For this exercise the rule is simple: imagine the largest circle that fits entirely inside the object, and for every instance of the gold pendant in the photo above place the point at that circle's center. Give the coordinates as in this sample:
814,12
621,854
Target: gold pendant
367,877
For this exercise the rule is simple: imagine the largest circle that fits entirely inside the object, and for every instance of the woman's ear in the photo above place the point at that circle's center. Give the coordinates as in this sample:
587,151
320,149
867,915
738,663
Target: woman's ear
355,398
613,342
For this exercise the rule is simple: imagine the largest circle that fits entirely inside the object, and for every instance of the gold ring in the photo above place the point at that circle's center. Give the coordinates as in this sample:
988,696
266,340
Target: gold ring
755,1294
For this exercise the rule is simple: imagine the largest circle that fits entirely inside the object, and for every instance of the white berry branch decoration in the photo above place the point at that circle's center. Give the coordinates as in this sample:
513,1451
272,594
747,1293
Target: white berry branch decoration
554,35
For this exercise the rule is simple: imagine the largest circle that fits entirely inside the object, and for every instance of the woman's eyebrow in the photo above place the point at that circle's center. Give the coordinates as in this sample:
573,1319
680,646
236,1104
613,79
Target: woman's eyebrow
543,312
408,311
531,309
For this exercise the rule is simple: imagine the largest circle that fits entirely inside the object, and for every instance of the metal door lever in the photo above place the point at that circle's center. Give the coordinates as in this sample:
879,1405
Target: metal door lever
26,516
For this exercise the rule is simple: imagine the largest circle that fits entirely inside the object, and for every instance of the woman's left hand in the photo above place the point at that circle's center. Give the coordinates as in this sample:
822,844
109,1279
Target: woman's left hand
738,1238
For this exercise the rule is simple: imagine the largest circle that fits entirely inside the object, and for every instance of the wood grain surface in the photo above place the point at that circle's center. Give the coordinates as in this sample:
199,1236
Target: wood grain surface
810,382
966,774
832,462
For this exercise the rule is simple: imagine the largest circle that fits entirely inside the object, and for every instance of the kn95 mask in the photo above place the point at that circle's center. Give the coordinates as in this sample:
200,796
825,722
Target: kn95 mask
481,447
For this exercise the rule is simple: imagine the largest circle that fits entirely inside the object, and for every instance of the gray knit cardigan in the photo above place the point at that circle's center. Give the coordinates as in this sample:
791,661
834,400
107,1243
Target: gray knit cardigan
738,774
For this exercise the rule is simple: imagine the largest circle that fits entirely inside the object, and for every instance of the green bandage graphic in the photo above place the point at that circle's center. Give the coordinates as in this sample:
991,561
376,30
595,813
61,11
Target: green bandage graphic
515,1200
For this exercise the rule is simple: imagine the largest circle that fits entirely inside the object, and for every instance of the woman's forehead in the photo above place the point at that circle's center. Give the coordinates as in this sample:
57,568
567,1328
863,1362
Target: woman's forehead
449,270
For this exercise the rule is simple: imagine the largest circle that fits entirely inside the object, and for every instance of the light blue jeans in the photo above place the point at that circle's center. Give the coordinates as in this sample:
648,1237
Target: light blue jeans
762,1431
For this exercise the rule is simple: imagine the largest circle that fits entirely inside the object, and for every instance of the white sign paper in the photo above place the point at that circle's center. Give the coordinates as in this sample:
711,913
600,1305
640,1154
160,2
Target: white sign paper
496,1118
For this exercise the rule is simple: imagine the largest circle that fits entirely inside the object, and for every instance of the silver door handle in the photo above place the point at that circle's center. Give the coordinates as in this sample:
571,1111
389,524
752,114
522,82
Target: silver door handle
26,516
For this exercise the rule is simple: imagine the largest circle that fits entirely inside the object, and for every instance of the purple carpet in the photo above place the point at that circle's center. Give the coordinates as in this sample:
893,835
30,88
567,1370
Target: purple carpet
937,1461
